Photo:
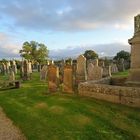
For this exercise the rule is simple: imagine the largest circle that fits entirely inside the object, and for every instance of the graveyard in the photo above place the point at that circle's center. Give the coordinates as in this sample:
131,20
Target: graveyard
42,115
80,94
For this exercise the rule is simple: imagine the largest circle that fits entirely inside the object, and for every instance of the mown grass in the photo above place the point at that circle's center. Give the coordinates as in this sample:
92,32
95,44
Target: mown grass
121,74
43,116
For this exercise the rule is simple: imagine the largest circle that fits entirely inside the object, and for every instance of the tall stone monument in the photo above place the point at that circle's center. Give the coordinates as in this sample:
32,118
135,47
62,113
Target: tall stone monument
134,78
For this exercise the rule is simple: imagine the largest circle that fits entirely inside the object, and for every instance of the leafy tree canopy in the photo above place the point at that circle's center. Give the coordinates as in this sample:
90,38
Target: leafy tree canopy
90,54
122,54
34,51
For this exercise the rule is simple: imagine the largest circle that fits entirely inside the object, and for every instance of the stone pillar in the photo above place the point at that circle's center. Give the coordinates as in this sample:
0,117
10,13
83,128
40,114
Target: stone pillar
134,77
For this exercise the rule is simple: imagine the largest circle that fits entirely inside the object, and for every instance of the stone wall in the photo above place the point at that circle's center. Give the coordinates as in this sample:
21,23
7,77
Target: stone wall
118,81
117,94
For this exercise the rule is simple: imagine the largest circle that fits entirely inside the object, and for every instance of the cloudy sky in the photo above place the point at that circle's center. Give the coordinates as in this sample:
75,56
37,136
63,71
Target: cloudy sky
67,27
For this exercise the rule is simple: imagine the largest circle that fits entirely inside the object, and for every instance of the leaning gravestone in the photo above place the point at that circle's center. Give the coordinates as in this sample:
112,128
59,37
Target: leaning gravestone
68,79
81,74
53,76
97,71
90,71
43,73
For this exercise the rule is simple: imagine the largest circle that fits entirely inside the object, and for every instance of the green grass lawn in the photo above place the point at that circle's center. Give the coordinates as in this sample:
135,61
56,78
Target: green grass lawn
121,74
42,116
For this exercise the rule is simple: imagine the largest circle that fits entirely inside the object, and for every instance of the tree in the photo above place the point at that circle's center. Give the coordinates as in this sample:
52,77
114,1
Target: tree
34,51
90,54
122,54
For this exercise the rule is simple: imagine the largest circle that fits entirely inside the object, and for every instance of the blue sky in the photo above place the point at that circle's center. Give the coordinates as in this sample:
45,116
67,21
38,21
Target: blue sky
67,27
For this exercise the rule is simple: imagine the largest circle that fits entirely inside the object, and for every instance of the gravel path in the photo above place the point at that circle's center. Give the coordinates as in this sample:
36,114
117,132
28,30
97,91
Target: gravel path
8,131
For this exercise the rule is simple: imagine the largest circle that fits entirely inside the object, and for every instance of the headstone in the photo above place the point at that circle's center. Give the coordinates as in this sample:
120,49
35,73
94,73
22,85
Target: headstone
3,68
68,79
90,71
114,68
12,76
53,78
97,71
43,73
26,75
81,73
8,65
107,71
14,67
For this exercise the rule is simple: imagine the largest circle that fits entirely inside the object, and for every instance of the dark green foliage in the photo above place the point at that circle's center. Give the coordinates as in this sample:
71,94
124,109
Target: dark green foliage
34,51
122,54
90,54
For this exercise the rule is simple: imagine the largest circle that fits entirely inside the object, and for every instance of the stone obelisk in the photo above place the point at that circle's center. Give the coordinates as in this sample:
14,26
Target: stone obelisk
134,77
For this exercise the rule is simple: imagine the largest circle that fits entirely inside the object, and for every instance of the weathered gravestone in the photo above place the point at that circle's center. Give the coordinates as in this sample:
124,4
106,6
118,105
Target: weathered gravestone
90,72
3,68
43,73
81,73
114,68
53,78
97,71
107,71
120,65
14,67
12,76
68,79
8,65
26,75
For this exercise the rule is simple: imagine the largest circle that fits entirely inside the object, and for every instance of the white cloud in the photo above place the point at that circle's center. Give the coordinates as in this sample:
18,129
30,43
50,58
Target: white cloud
102,49
66,15
9,48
